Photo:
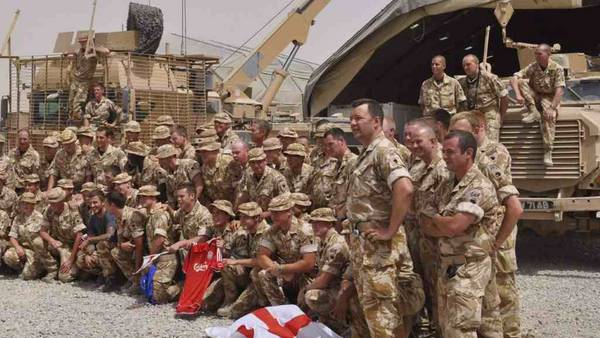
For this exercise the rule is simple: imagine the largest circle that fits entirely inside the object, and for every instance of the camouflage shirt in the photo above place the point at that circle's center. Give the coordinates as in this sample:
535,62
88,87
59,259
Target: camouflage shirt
4,225
340,180
74,167
192,223
245,244
370,184
484,91
98,162
426,179
131,225
44,173
184,172
84,67
333,256
160,224
287,247
26,228
188,152
228,139
263,189
323,182
99,112
23,164
216,181
494,162
63,227
225,232
301,182
543,81
447,94
8,199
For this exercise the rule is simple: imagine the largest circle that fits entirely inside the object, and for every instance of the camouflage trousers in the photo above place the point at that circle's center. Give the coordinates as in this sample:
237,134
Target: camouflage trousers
105,259
506,266
539,104
78,95
88,260
280,291
249,300
376,266
429,260
322,302
164,287
460,297
62,255
125,260
4,245
225,289
37,260
491,322
493,122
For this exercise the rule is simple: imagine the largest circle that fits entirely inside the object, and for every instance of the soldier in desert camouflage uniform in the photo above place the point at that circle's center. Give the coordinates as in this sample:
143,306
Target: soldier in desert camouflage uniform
70,162
287,136
101,111
50,144
227,136
286,255
440,90
215,184
62,229
105,155
24,160
336,147
179,138
137,167
8,197
298,174
275,159
32,185
5,221
176,171
122,184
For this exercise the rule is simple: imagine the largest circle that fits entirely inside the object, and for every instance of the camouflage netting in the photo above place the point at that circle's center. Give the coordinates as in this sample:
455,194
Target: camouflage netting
148,21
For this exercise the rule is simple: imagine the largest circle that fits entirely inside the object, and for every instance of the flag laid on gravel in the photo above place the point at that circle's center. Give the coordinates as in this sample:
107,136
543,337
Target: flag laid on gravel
284,321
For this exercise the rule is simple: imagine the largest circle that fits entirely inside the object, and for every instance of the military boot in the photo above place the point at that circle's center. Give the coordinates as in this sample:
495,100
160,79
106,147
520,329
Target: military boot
50,277
110,284
225,310
548,158
532,116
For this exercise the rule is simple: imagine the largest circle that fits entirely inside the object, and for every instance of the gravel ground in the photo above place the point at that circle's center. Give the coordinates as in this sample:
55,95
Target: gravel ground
560,297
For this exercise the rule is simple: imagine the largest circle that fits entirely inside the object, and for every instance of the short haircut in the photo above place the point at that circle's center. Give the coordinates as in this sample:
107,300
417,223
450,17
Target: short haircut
373,107
441,57
117,199
189,188
181,130
99,84
546,47
107,131
321,122
466,140
443,116
97,193
472,56
423,124
336,133
264,126
475,118
23,130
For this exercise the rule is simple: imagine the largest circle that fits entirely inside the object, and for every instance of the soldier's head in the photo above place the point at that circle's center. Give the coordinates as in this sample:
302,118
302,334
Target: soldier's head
303,140
469,121
222,123
281,211
122,184
110,171
104,137
335,143
148,195
260,130
366,120
321,127
161,135
186,196
50,147
32,183
27,203
222,212
301,203
115,203
56,199
459,150
470,65
250,215
96,201
99,90
209,153
67,186
322,220
287,136
272,147
179,136
23,140
442,123
409,130
132,131
438,66
85,136
239,151
167,157
83,42
295,154
542,54
389,127
257,161
68,141
424,141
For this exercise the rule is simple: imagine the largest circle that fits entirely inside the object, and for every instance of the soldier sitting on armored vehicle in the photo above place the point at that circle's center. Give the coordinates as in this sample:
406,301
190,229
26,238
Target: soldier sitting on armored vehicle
540,86
101,111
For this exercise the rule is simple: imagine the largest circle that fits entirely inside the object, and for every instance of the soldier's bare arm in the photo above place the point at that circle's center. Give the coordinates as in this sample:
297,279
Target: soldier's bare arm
65,267
139,251
558,94
263,258
46,237
511,215
321,281
503,106
304,265
15,244
452,226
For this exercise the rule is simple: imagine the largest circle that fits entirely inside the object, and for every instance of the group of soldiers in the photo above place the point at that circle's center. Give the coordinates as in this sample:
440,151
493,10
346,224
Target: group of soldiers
415,237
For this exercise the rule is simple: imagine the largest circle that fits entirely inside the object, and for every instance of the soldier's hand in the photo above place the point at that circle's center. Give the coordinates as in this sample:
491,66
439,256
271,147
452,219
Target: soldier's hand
66,266
228,261
340,309
548,112
220,243
84,244
56,244
127,246
378,234
20,253
520,99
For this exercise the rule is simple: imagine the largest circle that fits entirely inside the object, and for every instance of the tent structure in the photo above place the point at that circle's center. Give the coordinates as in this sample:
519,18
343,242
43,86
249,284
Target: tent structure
390,56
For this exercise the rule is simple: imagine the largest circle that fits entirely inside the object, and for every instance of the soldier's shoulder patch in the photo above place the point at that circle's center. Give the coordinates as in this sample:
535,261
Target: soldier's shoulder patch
473,196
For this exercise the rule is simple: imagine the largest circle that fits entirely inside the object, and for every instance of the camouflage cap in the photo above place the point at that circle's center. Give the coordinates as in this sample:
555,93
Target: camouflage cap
67,136
210,132
322,215
301,199
121,178
256,154
287,132
322,129
224,205
148,190
222,117
137,148
161,133
73,129
165,120
28,197
86,131
65,183
204,126
209,146
3,175
32,178
272,143
296,149
50,142
282,202
88,186
166,150
132,127
250,209
56,195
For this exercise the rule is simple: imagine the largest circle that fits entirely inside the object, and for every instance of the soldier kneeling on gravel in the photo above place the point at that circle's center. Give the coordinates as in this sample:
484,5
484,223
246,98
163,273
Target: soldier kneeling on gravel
28,254
4,230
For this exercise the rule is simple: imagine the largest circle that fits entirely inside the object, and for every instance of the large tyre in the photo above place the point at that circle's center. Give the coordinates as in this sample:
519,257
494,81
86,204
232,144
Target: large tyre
148,21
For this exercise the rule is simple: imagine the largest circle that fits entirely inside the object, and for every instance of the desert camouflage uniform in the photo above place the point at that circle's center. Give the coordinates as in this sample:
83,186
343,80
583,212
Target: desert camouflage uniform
22,164
41,202
333,257
484,93
447,94
301,182
164,287
44,173
82,72
8,199
192,223
323,182
263,189
466,267
4,231
537,87
185,172
63,228
285,248
377,266
188,152
98,162
281,165
216,181
340,183
316,157
493,159
99,112
26,230
75,167
131,226
228,139
133,201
